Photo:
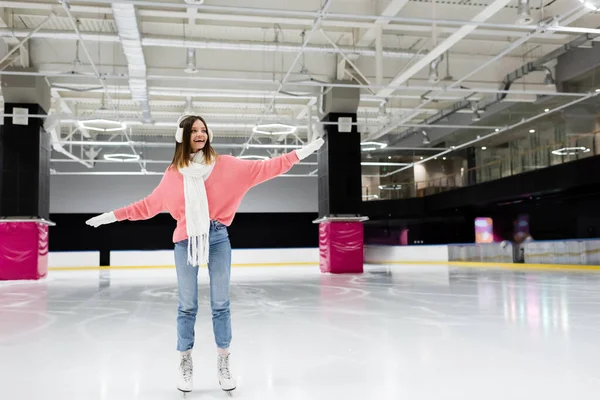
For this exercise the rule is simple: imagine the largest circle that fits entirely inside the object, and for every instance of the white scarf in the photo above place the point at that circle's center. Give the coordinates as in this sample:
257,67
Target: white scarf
197,216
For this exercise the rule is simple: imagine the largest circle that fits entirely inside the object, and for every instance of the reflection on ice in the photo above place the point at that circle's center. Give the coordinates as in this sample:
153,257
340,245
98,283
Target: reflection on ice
418,332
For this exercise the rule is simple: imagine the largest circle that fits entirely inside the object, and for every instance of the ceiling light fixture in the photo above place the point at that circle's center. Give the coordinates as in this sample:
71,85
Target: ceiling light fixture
484,148
371,146
426,139
532,131
122,157
274,129
102,125
253,158
570,151
546,109
370,197
589,5
390,187
383,164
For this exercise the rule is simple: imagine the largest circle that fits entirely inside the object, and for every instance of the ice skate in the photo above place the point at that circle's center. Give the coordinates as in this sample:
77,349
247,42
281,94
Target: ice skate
186,372
225,379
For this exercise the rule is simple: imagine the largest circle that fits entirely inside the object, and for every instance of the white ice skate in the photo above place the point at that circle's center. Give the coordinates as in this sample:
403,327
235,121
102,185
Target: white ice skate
225,379
186,373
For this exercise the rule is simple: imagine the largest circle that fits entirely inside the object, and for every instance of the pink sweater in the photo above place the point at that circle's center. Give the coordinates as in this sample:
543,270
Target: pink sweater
229,181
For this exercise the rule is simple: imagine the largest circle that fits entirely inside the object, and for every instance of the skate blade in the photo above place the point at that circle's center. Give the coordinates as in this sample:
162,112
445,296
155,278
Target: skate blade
228,391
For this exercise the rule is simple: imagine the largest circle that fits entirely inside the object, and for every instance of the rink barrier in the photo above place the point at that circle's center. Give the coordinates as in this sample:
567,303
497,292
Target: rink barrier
563,252
482,252
574,254
165,259
376,254
496,255
492,252
73,259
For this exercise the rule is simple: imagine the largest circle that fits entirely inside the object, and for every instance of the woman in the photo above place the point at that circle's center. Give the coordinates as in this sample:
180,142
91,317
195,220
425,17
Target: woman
202,191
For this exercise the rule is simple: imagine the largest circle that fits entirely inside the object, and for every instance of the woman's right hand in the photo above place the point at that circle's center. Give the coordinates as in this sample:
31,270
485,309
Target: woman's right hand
102,219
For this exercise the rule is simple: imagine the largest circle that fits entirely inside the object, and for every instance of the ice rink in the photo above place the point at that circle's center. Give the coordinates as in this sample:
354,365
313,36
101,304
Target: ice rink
397,332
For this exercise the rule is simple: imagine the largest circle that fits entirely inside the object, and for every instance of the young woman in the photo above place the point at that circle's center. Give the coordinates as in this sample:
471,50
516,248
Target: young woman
202,191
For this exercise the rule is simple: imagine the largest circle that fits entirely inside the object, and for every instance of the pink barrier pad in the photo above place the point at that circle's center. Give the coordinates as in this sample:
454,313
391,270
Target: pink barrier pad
23,250
341,247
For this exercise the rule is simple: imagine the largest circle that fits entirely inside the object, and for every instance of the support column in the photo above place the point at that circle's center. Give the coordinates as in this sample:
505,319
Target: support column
341,234
24,179
471,165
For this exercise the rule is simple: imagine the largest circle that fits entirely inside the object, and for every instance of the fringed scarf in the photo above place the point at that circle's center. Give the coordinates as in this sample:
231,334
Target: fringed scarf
197,216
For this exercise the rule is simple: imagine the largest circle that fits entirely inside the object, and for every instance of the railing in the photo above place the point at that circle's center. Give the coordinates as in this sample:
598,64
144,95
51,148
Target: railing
511,164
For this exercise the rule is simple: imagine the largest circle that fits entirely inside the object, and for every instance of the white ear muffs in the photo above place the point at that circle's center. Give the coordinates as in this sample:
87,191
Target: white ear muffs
179,131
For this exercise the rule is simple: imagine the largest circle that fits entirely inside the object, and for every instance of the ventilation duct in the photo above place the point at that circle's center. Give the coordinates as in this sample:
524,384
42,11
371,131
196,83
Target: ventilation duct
130,38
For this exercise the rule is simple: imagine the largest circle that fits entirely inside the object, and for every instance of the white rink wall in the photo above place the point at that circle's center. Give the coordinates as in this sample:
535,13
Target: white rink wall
575,252
239,257
158,258
73,259
390,254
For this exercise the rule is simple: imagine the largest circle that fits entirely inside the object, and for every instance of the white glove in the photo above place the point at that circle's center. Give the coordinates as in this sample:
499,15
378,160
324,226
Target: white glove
309,149
106,218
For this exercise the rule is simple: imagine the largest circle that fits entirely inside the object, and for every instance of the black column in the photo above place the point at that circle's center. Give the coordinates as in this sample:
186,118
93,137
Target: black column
471,164
24,164
340,181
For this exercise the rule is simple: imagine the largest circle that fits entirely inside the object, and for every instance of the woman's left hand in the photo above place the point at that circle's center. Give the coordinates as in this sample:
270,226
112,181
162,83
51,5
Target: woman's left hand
309,148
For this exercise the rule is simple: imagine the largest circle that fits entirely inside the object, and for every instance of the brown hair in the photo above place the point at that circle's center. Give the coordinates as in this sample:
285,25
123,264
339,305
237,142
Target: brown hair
181,158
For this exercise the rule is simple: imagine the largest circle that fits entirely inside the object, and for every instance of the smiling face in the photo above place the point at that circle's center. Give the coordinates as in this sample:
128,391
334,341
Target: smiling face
198,136
195,138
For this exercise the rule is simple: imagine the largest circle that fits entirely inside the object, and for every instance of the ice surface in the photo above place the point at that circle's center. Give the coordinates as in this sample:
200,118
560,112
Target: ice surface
398,332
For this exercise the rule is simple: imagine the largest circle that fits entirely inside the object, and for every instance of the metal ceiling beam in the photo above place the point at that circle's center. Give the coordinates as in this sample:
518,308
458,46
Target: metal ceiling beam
280,13
392,9
29,35
417,88
205,44
215,44
321,14
405,27
542,26
444,46
66,6
490,104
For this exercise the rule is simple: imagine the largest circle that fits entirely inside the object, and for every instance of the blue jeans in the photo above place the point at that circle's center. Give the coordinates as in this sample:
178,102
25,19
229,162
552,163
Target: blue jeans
219,270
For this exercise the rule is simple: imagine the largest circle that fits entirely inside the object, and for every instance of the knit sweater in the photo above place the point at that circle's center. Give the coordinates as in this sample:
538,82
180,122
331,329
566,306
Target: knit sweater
227,184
